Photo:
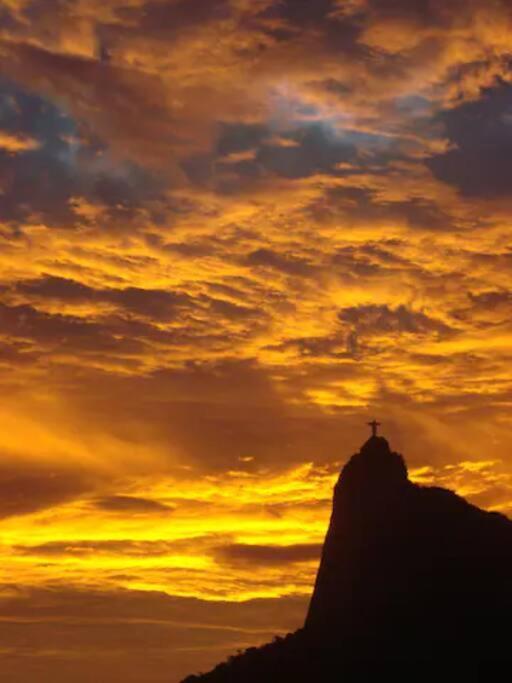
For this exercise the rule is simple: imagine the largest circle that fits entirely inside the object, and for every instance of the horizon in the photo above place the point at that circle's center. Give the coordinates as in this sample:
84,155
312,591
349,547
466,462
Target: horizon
232,234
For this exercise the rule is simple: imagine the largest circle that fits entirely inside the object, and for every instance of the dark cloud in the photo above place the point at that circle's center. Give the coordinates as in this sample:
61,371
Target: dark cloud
479,162
107,98
285,263
188,250
67,601
215,413
41,183
190,402
81,548
153,303
52,287
131,504
67,632
491,299
128,330
365,205
165,20
300,12
17,353
269,554
239,137
486,308
310,148
233,311
427,12
375,319
419,213
28,489
353,263
315,347
70,332
253,152
317,149
338,26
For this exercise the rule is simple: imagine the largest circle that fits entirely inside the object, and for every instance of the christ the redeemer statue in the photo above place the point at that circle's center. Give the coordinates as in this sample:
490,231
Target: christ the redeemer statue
374,424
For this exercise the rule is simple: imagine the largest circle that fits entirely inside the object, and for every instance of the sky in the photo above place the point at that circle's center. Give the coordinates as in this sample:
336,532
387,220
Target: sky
231,233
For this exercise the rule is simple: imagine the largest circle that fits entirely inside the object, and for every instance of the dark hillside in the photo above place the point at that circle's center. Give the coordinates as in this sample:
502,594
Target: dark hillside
408,575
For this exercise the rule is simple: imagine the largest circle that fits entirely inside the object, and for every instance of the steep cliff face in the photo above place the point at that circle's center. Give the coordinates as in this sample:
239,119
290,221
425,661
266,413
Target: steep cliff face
408,574
408,564
357,562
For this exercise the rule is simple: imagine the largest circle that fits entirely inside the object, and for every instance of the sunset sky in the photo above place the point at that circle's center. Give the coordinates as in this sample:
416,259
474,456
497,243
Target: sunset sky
231,233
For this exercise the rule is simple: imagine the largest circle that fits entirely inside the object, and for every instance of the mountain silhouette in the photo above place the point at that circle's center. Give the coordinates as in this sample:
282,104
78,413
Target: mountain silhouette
413,581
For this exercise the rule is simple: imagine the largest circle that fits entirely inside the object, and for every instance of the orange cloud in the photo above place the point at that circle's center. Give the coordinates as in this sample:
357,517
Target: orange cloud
15,144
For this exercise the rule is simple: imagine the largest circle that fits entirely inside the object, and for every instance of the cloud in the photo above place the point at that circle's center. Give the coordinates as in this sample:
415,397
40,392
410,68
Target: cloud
48,164
25,322
333,347
232,310
486,309
95,548
85,630
149,303
372,319
480,132
29,489
316,149
16,144
287,264
168,19
269,554
131,505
